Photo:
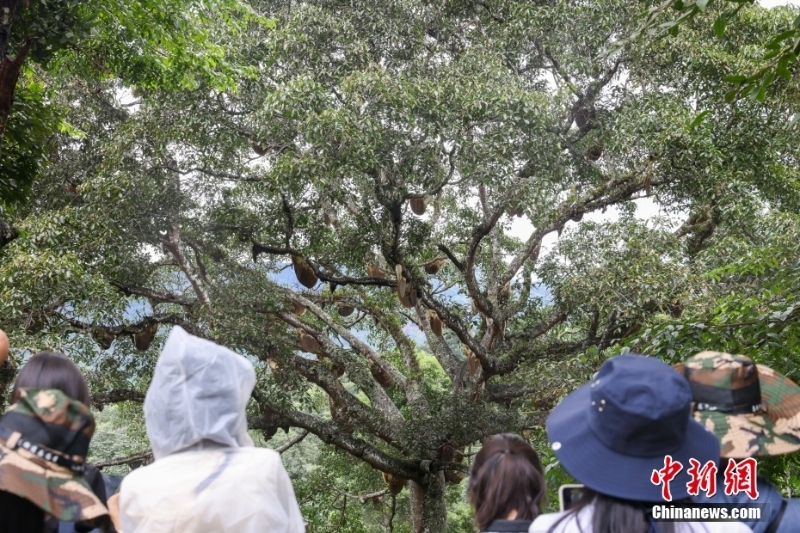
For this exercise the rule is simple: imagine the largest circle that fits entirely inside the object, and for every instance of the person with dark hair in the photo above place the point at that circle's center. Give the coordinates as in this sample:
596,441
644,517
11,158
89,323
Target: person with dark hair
612,434
52,370
506,485
754,411
44,438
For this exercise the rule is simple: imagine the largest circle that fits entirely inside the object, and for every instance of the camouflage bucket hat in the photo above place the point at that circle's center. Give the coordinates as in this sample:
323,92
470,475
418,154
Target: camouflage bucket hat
753,410
44,438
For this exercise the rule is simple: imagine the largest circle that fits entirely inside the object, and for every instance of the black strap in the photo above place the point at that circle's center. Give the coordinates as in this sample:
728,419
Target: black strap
508,526
742,401
42,452
776,522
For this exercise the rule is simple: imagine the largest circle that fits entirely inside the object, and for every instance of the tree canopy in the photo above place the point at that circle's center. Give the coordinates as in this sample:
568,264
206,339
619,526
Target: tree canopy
418,220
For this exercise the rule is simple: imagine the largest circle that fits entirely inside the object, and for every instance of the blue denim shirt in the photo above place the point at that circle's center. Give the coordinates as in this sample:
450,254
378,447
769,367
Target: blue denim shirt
767,493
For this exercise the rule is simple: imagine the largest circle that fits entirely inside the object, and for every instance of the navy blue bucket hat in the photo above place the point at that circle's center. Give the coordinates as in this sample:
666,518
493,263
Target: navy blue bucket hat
614,431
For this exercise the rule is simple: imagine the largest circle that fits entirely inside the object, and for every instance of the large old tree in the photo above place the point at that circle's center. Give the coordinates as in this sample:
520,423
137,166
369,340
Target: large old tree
358,198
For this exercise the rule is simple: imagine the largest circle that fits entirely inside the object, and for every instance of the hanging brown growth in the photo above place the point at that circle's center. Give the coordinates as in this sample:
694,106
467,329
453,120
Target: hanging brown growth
435,322
409,297
273,364
418,205
473,364
339,415
330,218
298,309
307,342
375,271
449,452
401,281
395,483
434,265
35,324
583,116
675,308
595,152
506,292
346,310
305,274
336,368
259,150
142,339
103,338
380,375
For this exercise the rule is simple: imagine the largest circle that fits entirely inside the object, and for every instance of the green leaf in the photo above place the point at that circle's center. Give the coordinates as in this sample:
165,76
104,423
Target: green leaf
782,68
698,119
730,96
782,37
701,4
736,78
719,26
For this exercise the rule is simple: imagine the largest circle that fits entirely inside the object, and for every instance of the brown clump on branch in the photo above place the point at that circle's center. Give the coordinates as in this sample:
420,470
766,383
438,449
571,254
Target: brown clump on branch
103,338
143,338
345,310
298,309
307,342
380,375
395,483
401,281
595,152
339,415
434,265
435,322
418,205
374,271
473,364
305,274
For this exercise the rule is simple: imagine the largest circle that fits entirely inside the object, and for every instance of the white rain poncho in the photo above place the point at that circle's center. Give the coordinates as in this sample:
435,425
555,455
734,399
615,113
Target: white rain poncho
207,476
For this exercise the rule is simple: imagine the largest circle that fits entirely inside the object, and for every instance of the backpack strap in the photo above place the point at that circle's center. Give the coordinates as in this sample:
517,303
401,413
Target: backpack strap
776,522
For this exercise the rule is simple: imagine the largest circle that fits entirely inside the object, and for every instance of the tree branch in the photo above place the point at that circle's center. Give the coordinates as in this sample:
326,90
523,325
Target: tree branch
172,244
116,396
292,442
130,290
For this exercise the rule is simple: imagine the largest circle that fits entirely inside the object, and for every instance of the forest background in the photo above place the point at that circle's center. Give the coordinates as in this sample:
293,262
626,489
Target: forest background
423,222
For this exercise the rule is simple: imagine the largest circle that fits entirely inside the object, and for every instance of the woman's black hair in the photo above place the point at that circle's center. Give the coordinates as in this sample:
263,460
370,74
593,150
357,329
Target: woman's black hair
18,514
50,370
613,515
506,476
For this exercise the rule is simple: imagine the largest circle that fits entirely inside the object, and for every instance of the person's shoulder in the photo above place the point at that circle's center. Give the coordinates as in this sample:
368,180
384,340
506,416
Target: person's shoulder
544,522
263,455
261,461
714,527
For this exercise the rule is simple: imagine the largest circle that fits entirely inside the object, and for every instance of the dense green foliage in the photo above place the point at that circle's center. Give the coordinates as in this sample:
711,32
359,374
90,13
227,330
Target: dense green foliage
778,52
187,188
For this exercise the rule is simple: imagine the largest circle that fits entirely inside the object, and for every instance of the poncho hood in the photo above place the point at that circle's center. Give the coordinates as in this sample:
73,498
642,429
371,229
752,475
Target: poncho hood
199,393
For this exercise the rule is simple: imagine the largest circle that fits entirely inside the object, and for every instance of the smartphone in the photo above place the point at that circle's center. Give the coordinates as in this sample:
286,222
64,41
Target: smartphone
568,495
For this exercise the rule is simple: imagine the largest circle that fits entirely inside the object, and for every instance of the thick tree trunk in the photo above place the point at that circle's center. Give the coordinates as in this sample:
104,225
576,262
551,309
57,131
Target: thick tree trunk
7,233
8,373
428,509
